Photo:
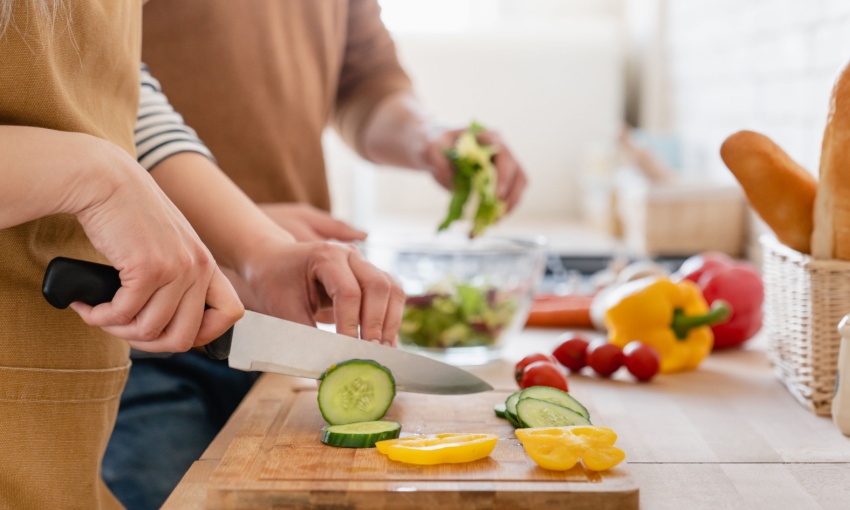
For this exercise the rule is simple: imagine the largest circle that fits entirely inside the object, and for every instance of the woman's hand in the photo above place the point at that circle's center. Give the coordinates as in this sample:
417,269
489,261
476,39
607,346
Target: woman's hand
167,274
296,280
282,278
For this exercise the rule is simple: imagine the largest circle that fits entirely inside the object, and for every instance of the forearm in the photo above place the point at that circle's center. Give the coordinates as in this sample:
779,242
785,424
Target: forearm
398,133
44,172
227,221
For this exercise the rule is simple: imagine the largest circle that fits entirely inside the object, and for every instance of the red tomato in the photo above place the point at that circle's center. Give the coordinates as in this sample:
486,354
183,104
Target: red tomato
543,373
572,353
642,361
531,358
604,358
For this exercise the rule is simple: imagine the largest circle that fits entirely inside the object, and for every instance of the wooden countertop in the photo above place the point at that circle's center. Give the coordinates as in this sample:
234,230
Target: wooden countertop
725,436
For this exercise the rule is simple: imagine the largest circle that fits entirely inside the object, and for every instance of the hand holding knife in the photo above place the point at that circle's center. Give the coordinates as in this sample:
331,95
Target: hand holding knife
260,342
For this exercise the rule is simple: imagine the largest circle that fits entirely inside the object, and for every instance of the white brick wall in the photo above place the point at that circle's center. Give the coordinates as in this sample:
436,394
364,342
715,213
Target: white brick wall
766,65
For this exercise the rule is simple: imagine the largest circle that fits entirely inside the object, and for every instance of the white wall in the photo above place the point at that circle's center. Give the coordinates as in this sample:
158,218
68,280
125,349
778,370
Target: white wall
551,83
763,65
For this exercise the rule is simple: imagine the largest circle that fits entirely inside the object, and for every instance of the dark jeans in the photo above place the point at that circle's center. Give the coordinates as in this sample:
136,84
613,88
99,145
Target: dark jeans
170,411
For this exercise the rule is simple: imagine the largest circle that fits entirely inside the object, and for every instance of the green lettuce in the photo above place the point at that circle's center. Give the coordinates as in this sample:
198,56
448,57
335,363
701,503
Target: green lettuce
474,173
464,316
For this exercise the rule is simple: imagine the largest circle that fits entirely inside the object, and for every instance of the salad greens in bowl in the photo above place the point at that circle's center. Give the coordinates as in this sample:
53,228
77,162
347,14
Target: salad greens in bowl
465,297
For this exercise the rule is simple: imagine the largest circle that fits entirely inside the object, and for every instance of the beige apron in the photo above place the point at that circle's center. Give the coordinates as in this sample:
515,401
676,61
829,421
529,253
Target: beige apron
60,380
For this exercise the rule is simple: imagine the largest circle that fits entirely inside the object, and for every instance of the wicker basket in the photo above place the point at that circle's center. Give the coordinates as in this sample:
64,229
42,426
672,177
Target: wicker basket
682,218
805,300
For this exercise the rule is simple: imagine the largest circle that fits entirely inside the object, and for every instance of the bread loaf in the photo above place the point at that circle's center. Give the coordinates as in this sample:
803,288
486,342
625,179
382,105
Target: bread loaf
780,191
831,238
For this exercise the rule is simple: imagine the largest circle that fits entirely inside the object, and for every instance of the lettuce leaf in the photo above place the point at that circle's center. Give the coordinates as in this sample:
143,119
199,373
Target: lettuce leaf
475,176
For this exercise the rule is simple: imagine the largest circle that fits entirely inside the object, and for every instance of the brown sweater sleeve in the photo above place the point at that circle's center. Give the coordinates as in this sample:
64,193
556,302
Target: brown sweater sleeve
370,71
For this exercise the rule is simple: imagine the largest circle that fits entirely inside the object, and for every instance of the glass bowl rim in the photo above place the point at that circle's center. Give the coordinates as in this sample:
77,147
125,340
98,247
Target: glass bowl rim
519,245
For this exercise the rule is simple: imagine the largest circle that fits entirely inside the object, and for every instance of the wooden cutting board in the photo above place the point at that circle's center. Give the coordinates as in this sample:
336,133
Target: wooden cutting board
277,460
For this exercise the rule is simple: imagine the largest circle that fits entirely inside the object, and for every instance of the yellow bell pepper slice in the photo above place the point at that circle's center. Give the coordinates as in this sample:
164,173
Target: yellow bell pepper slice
602,458
560,448
549,450
438,448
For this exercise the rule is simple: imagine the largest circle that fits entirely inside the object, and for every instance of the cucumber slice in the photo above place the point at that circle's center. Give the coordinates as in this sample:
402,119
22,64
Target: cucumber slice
555,396
539,413
360,435
513,420
510,409
500,410
356,391
511,402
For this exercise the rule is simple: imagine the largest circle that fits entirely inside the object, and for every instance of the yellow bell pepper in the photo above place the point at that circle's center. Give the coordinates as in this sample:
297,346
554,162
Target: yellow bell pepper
672,317
438,448
560,448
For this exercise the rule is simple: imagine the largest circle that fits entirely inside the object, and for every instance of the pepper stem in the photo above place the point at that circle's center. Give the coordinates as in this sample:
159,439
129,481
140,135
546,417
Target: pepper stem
683,324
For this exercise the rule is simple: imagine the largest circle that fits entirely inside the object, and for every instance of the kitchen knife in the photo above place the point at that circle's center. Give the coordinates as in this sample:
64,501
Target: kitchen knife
260,342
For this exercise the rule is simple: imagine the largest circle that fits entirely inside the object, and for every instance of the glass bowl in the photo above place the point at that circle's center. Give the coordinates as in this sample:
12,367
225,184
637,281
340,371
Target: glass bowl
465,297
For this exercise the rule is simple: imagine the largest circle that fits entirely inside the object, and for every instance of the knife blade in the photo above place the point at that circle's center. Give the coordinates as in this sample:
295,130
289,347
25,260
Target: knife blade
268,344
260,342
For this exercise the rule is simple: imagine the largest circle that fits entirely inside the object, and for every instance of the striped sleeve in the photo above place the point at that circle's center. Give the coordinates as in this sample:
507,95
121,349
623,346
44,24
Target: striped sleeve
160,131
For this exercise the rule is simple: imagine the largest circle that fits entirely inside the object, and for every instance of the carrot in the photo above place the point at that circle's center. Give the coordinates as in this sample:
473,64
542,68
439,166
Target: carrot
550,311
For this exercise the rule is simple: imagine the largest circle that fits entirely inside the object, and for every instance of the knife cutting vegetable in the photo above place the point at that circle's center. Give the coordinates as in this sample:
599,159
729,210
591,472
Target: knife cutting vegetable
262,343
475,176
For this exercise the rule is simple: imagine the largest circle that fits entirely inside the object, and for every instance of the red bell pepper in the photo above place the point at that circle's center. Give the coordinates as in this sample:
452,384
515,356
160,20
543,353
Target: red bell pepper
736,282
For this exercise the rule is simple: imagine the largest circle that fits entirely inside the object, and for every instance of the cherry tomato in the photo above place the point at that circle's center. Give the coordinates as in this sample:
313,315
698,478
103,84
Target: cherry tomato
543,373
531,358
604,358
642,360
572,353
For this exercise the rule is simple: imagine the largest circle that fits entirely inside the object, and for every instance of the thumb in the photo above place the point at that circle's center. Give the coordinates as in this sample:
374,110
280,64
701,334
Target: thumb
224,310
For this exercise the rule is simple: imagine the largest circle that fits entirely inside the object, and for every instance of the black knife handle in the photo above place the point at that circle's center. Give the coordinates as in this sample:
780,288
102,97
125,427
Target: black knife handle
219,348
69,280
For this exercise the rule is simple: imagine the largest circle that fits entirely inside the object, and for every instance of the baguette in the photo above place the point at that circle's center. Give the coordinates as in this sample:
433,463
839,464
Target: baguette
831,237
780,191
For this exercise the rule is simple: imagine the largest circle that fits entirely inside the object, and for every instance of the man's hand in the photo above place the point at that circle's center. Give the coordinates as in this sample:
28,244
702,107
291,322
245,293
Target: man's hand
400,132
307,223
511,177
